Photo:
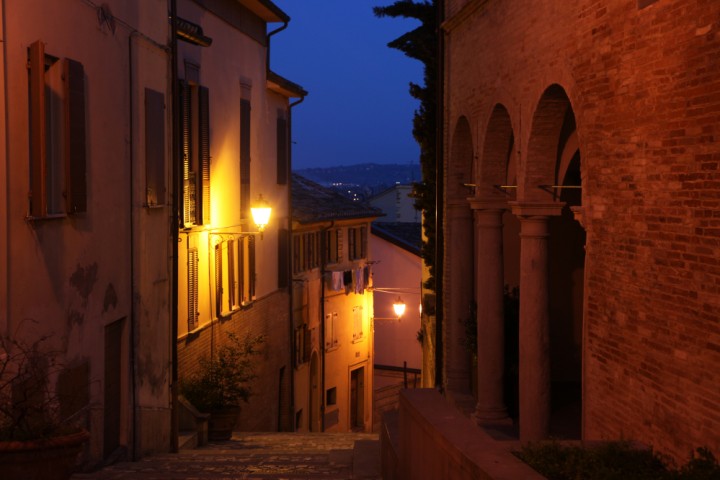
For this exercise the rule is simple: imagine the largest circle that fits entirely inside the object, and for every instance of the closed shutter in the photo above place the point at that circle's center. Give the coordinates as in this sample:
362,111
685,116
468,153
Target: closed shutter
306,344
203,216
363,242
282,151
218,280
186,139
232,275
38,144
193,313
242,265
245,159
251,266
76,184
283,257
339,245
154,147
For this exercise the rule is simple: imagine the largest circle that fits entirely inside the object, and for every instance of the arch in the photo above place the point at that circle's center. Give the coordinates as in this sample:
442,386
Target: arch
552,124
496,155
460,239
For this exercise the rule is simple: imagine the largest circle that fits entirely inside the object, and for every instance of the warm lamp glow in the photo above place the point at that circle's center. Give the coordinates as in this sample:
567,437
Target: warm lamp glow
261,214
399,307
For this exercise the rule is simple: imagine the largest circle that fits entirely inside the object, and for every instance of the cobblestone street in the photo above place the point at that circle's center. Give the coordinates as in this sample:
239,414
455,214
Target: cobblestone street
338,456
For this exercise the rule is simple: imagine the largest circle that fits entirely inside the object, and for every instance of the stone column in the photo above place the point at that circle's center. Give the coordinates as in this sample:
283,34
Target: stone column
534,319
489,281
459,294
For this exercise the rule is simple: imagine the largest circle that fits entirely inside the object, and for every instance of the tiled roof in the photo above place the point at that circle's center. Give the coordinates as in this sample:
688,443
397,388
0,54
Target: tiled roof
406,235
314,203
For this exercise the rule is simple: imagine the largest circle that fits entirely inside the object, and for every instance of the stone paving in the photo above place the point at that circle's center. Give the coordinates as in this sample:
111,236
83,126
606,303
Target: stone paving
260,456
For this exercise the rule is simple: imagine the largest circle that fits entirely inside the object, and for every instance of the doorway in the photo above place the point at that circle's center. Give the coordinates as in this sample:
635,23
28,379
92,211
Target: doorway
357,400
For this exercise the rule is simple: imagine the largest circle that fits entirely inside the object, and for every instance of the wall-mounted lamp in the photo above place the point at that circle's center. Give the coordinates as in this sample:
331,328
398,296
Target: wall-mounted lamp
399,307
261,213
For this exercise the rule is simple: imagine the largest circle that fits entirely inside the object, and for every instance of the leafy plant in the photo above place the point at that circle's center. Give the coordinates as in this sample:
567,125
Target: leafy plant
612,461
29,408
223,380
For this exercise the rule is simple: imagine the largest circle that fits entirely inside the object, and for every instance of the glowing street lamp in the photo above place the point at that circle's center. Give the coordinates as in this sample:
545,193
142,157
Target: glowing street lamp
399,307
261,213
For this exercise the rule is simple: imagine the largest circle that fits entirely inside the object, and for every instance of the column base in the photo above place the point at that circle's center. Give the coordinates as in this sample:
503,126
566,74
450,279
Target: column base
492,416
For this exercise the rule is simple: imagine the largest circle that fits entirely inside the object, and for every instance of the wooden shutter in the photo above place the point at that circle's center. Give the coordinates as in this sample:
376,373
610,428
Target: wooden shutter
245,159
232,278
363,242
154,147
339,239
38,144
251,266
75,161
203,216
218,280
193,313
242,265
283,257
186,140
282,151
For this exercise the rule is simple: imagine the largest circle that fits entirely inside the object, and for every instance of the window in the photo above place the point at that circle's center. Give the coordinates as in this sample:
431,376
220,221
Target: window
283,257
357,243
57,135
357,323
306,251
246,266
154,148
331,396
195,115
282,148
333,246
302,344
331,340
192,287
234,274
245,152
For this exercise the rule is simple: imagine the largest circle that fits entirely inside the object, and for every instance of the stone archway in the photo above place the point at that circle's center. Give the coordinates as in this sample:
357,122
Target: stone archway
540,209
459,286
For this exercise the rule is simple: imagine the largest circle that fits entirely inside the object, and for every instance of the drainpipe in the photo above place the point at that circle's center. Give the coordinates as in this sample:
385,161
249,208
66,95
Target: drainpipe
270,34
133,311
289,256
323,248
175,237
439,192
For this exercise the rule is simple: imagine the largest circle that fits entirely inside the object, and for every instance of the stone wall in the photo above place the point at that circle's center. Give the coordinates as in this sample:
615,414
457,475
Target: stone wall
643,80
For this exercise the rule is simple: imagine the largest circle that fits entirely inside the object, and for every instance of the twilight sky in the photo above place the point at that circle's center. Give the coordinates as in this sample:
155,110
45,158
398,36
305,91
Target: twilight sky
358,109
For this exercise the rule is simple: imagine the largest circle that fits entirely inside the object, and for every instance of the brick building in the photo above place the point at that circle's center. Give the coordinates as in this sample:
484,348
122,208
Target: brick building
581,164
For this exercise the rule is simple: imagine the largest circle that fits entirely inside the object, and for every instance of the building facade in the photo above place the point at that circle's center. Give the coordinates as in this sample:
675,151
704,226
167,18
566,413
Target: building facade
332,310
588,132
235,155
85,212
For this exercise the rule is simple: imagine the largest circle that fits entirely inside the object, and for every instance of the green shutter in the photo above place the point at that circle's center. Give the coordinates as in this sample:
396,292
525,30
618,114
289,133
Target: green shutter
203,216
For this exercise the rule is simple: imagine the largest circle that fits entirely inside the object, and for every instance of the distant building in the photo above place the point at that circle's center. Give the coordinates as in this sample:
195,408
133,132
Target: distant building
332,310
397,204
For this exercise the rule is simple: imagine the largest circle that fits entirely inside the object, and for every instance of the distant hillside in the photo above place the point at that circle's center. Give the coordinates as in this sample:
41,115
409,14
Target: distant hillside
370,175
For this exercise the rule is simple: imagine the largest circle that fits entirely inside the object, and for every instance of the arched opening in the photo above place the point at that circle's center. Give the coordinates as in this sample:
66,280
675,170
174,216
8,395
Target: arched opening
459,260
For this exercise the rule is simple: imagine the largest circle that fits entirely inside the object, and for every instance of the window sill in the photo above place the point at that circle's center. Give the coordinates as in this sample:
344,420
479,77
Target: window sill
53,216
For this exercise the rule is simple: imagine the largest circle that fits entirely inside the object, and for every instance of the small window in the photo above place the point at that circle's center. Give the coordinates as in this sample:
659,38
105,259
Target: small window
333,246
357,323
331,340
357,243
57,134
331,396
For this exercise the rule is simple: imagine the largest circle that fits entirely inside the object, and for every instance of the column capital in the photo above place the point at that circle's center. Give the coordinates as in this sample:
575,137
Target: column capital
479,203
536,209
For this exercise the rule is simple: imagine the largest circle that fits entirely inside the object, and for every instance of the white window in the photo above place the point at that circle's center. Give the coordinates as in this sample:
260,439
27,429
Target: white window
358,323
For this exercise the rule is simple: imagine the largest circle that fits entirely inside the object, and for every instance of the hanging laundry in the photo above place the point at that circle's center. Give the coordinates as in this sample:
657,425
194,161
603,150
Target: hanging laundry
359,281
336,281
348,279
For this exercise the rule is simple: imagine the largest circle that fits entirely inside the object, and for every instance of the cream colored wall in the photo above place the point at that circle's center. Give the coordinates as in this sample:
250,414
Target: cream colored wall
73,276
396,341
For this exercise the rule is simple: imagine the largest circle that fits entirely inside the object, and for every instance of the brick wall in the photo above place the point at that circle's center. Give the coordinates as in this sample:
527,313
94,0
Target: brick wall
267,316
643,79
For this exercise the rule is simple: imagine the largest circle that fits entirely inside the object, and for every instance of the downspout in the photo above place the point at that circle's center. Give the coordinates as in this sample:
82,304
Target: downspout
175,237
133,311
323,248
267,50
439,192
4,228
289,263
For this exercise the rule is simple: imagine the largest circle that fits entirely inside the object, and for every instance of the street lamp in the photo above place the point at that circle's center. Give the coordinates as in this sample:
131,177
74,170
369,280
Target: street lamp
261,214
399,307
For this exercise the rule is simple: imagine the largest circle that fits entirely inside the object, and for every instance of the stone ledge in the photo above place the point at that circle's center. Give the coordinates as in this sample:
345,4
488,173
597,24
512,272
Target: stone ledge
438,441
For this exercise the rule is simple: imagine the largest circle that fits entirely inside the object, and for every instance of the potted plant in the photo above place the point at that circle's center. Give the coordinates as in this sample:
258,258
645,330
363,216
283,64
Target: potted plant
222,382
35,442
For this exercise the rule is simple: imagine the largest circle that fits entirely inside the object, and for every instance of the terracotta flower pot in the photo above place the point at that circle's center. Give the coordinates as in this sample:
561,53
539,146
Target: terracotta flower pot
45,459
222,423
